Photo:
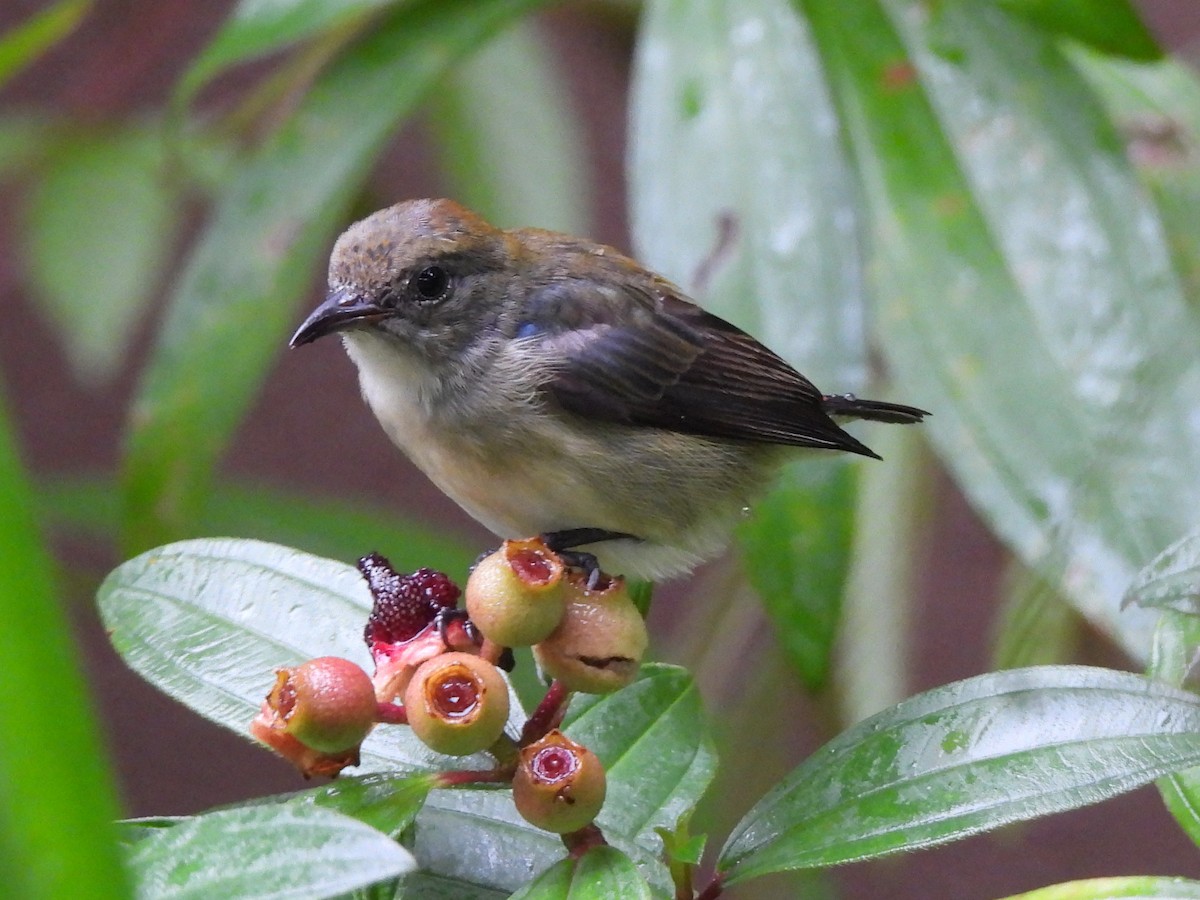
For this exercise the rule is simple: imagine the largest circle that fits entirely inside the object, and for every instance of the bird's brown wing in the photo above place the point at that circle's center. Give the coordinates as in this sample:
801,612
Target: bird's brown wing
662,361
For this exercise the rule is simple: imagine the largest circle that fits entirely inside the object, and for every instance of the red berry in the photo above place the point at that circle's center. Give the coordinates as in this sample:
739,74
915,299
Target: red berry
404,605
437,587
559,785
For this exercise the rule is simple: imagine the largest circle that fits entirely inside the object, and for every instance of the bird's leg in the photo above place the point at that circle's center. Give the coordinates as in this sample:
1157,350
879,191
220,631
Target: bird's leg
564,543
445,617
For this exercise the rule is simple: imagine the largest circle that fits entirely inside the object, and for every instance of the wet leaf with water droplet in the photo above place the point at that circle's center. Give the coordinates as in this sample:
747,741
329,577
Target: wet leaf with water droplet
1042,323
266,852
965,758
209,621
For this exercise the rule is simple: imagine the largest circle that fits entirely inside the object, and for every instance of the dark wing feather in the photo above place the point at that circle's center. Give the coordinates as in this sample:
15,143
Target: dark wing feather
662,361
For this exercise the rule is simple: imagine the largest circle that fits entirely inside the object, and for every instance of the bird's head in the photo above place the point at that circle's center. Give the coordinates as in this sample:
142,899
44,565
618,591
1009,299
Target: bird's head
427,273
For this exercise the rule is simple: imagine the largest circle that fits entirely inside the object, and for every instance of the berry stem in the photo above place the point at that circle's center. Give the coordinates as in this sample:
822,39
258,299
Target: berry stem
548,715
460,777
391,714
581,841
507,753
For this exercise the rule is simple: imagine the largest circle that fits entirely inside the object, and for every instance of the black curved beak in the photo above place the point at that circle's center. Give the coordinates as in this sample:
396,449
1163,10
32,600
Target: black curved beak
341,309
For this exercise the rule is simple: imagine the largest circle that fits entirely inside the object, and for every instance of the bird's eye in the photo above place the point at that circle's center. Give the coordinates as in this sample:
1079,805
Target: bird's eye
432,283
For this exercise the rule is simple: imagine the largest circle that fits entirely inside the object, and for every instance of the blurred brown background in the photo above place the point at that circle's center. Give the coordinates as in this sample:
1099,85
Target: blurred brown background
309,429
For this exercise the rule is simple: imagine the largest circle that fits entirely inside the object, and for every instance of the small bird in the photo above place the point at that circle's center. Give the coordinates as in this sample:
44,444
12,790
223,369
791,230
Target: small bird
551,385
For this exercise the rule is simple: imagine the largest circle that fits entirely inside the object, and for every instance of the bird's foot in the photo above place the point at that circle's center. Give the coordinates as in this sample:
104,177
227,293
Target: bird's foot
566,542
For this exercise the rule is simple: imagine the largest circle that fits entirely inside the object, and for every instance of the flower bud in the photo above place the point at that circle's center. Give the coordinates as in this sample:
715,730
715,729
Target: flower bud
457,703
515,595
327,704
559,785
599,643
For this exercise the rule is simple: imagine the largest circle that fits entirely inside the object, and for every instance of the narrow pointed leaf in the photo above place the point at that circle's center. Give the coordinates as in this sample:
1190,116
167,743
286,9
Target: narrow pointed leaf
264,852
22,44
1172,579
1112,26
795,550
1176,643
965,758
508,137
256,28
233,306
101,222
1035,626
57,801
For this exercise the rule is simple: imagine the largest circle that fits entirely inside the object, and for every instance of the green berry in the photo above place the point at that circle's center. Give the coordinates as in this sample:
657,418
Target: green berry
599,643
515,595
457,703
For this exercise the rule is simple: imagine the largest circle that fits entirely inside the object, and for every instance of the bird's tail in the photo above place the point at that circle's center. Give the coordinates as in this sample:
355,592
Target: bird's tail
851,407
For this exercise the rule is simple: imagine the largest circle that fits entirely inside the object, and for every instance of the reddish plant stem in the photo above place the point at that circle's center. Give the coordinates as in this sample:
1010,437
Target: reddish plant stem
713,889
460,777
581,841
391,714
549,714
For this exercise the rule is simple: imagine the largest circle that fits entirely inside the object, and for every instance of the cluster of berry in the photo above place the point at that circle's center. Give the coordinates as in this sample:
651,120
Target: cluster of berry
441,663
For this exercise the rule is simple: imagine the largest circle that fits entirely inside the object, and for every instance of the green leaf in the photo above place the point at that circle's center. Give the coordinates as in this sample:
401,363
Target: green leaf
335,528
600,874
508,138
101,222
429,886
256,28
385,802
209,621
259,251
658,761
796,552
739,187
57,801
1026,295
1176,643
1172,579
21,45
1112,26
740,191
1134,887
1157,108
475,839
656,749
24,139
1035,626
965,758
264,852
